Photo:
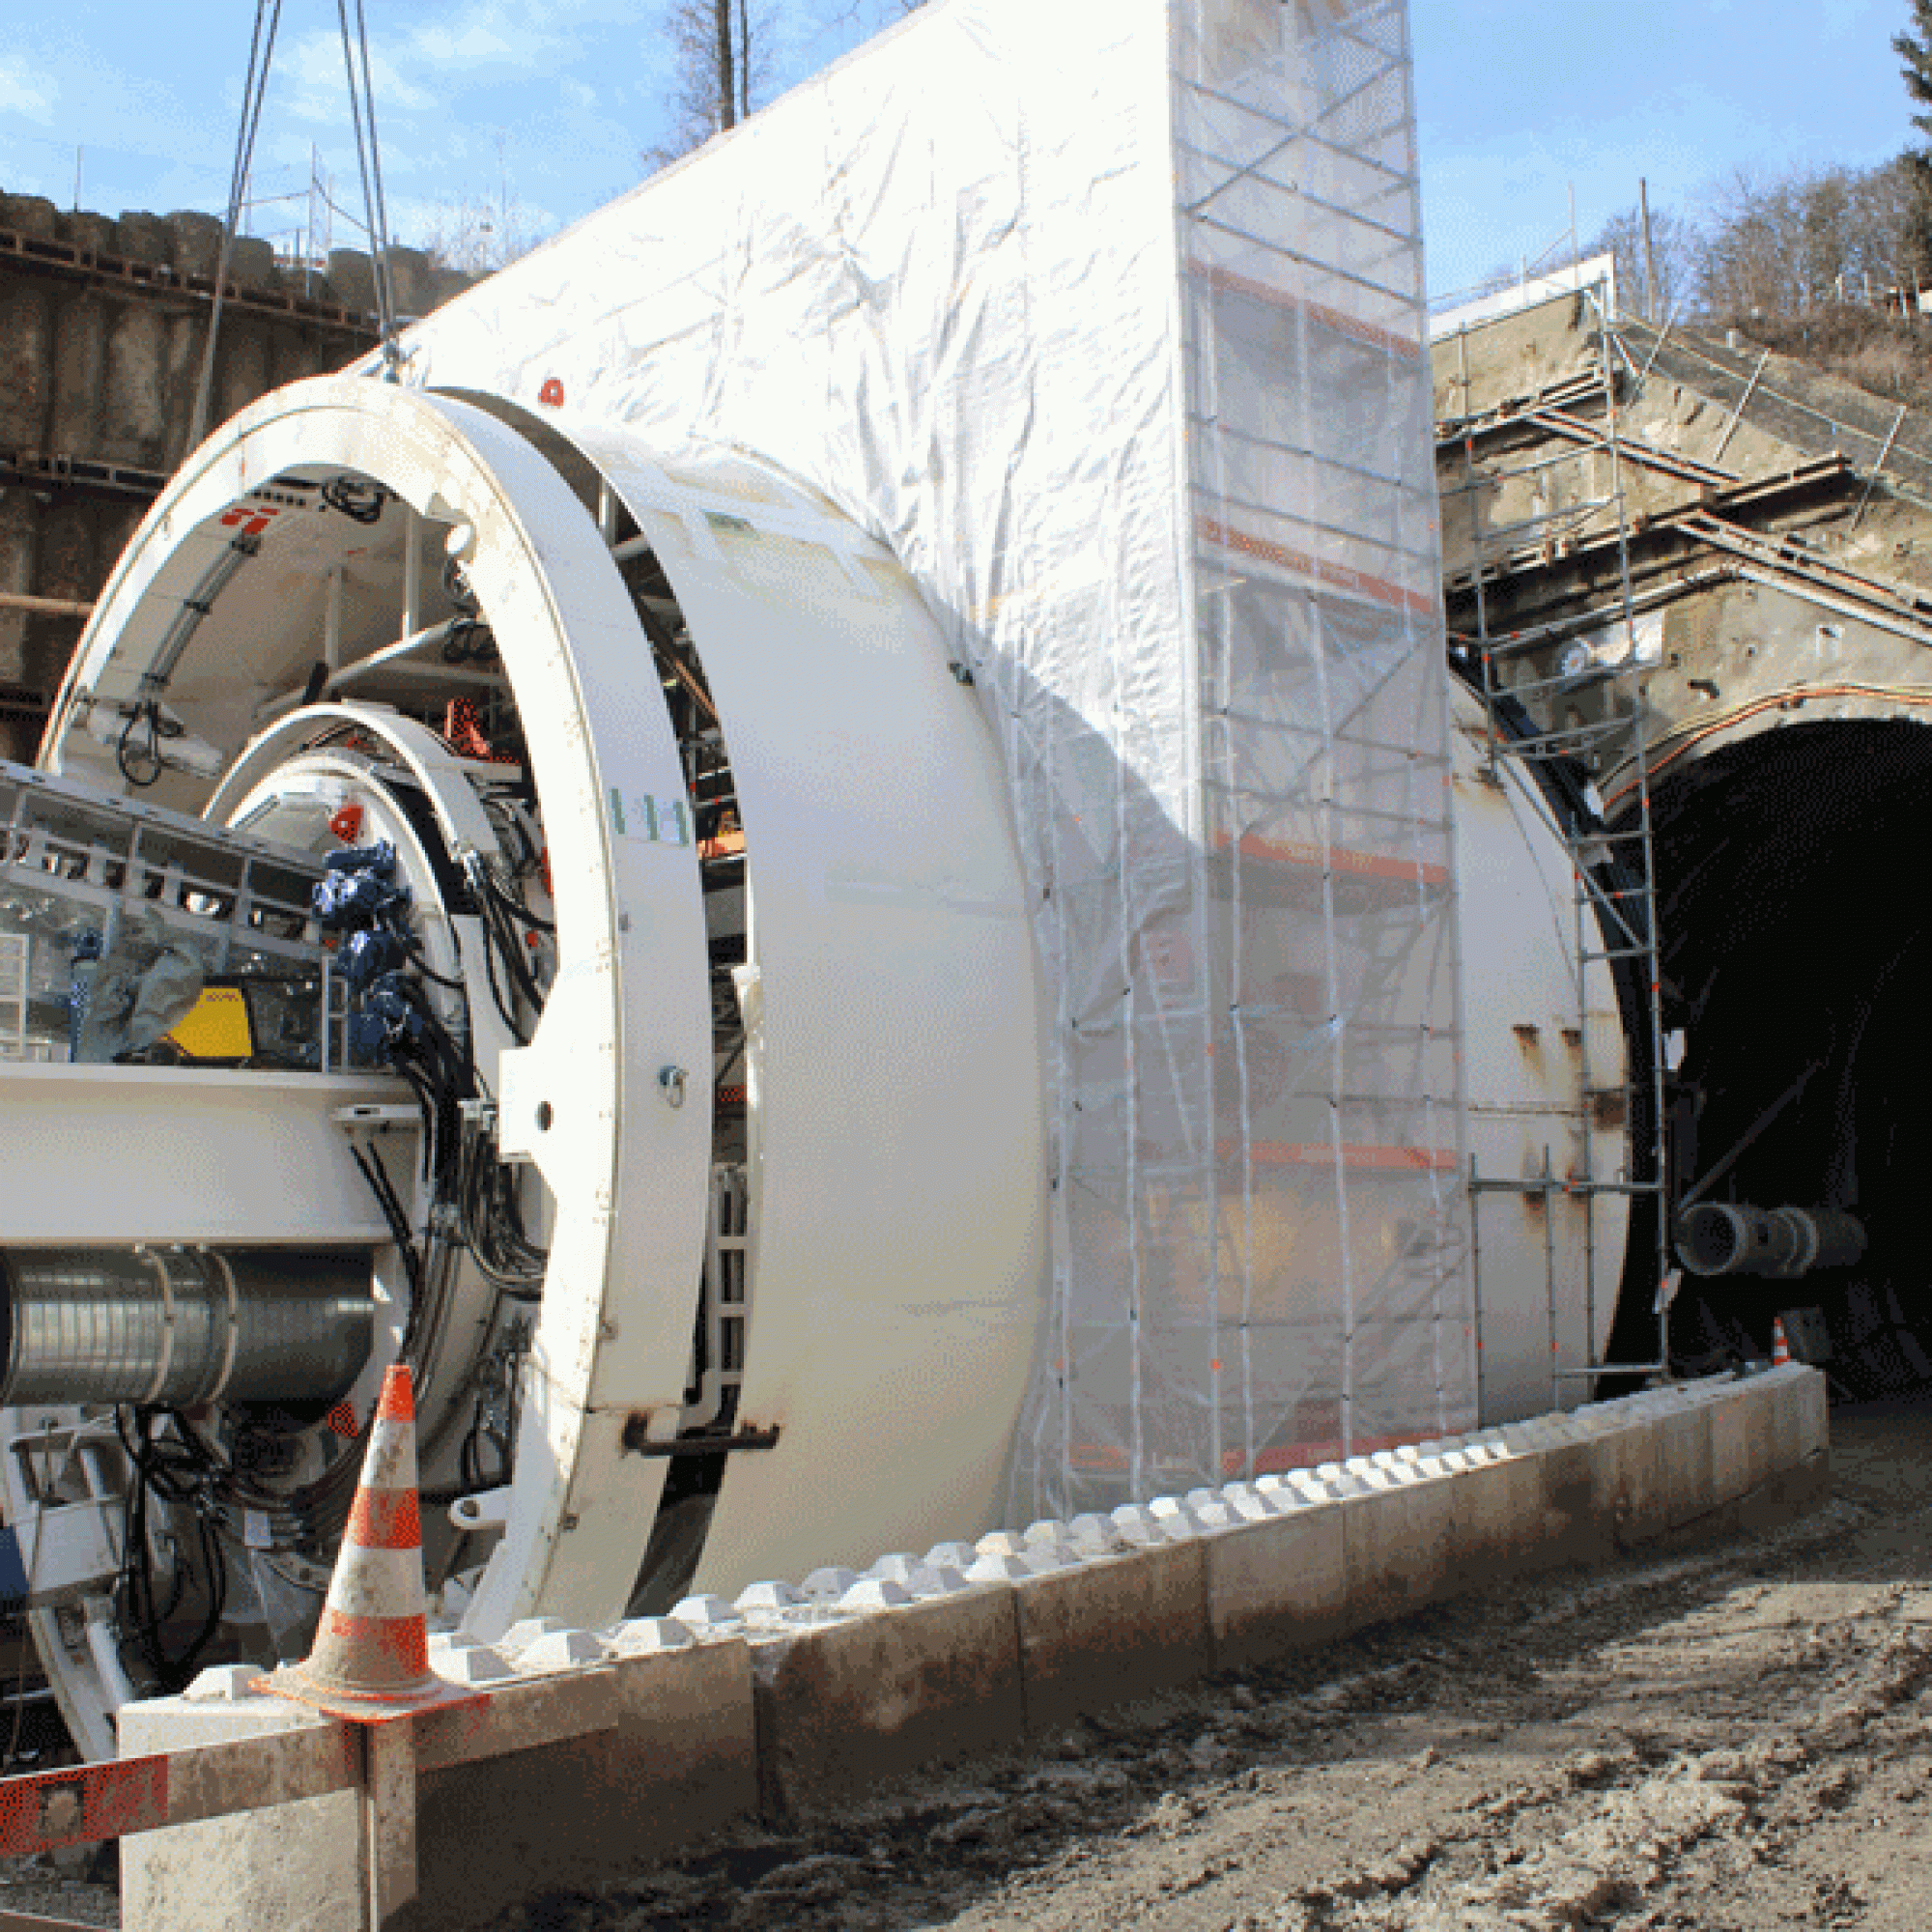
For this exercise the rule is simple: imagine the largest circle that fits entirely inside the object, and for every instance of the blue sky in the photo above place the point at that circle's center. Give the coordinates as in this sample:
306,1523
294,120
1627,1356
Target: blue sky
1519,100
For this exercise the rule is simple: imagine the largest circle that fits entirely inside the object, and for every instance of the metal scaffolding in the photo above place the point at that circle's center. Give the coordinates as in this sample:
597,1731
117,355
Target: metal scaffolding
1565,701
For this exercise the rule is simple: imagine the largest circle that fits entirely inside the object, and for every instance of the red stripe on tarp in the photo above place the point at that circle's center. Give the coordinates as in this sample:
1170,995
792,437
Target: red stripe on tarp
385,1520
83,1805
1354,1154
1305,855
1324,569
1103,1459
1407,347
1307,1455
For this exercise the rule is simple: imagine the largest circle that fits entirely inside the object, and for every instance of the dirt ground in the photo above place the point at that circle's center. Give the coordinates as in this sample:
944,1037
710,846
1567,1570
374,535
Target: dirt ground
1731,1739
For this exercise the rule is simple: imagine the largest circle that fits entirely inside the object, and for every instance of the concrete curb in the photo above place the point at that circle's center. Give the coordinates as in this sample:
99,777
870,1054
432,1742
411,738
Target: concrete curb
795,1698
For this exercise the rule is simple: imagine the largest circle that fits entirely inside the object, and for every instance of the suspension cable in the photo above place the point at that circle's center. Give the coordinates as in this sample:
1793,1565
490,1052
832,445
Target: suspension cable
254,91
369,159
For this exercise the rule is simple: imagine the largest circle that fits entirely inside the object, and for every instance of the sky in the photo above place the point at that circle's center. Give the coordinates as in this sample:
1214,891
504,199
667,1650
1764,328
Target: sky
548,104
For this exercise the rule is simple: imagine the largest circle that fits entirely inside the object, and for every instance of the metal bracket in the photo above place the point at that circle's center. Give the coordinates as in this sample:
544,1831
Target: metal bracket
637,1442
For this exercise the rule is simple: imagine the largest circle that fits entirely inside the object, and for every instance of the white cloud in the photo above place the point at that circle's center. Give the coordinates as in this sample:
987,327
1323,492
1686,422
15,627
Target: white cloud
26,92
314,86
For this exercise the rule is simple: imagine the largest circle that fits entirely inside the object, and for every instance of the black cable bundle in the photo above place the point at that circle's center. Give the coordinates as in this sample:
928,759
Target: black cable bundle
358,497
182,1474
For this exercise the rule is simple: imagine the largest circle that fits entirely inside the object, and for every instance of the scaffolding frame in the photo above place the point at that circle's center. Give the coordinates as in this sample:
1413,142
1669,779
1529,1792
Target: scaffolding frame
1614,903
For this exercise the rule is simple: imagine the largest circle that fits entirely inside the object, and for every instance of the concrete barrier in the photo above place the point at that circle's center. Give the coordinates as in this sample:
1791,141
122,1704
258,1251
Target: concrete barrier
1274,1585
670,1753
797,1697
1112,1629
844,1704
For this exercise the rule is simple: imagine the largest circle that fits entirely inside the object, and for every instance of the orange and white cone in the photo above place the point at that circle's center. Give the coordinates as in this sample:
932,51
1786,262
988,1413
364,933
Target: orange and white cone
371,1655
1780,1348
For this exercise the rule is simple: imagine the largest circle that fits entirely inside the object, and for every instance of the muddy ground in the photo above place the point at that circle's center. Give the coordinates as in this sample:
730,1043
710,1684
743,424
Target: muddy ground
1732,1738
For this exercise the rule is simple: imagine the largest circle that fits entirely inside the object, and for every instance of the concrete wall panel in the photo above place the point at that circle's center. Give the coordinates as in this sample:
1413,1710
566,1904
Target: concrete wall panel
1112,1629
1277,1586
841,1708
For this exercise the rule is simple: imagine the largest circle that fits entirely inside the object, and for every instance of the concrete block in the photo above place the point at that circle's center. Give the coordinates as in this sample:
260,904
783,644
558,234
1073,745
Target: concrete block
30,215
640,1637
1096,1535
1814,1416
847,1704
1277,1586
916,1575
197,242
292,1865
1683,1434
707,1613
526,1631
223,1683
1497,1522
562,1650
1002,1542
1051,1532
1177,1516
830,1583
875,1593
767,1600
1739,1458
1798,1396
410,279
1629,1494
141,237
251,263
680,1759
351,279
1396,1548
1112,1630
998,1569
1140,1527
472,1664
446,283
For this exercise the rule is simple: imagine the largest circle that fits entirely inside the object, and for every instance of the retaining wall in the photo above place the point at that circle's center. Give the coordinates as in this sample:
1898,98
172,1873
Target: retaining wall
799,1696
104,325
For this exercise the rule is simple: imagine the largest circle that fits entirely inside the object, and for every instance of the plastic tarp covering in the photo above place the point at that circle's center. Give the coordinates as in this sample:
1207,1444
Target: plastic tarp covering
1107,316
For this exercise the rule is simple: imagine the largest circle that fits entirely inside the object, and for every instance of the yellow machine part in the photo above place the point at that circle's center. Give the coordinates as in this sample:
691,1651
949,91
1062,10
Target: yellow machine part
217,1027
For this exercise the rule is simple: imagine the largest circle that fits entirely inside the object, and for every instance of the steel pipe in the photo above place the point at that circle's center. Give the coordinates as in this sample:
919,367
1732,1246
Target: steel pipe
44,607
182,1325
1719,1238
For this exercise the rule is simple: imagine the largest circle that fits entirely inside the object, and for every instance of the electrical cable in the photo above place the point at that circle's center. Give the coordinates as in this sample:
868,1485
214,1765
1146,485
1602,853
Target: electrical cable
151,766
20,1666
360,498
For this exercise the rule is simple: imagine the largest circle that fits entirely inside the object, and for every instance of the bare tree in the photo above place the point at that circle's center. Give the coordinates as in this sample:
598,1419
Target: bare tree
480,234
1655,279
1800,242
723,49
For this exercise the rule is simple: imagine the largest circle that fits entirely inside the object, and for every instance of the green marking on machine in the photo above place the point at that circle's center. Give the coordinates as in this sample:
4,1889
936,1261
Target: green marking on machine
662,821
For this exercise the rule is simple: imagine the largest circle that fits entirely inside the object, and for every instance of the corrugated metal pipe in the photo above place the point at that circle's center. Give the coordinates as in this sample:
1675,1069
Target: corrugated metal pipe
1725,1237
182,1326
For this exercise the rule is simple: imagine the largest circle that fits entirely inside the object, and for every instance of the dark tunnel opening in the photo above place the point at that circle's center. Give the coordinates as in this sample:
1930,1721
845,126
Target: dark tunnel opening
1795,953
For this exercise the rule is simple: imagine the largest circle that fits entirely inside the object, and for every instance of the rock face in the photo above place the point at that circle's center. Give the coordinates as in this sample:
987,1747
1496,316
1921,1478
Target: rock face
102,334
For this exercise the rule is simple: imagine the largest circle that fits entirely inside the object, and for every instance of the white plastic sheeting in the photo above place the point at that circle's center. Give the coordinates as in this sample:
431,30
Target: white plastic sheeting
1107,316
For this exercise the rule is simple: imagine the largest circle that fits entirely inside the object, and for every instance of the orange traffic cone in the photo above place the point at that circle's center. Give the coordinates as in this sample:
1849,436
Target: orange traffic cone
1780,1348
371,1655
